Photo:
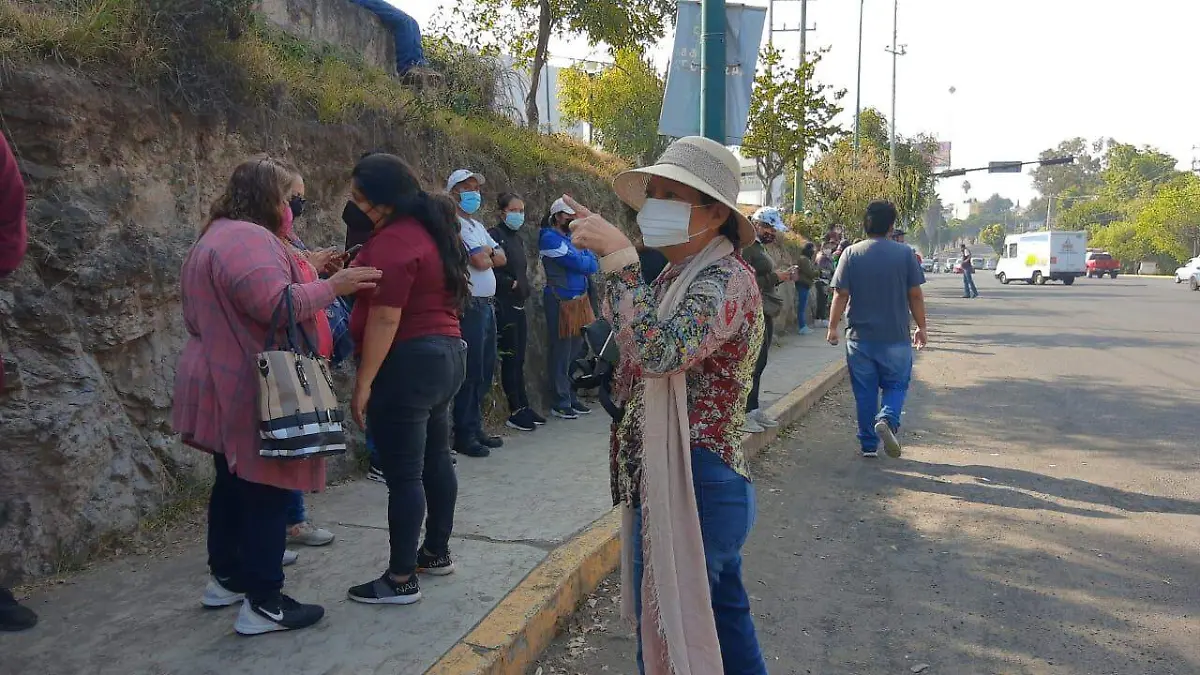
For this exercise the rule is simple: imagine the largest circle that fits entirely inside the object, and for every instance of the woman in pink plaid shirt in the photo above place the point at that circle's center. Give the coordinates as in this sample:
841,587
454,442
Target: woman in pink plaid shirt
233,280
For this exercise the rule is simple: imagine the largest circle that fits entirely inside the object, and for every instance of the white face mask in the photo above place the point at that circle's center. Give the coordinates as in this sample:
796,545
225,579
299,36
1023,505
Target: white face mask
664,222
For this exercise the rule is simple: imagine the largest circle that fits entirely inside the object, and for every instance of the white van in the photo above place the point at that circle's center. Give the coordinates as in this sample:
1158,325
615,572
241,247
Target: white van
1038,257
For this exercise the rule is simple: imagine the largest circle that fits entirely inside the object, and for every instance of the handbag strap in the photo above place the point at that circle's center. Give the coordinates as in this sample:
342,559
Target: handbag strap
291,329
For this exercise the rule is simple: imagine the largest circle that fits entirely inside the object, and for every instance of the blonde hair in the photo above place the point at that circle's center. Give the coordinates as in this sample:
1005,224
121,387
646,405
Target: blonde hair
254,194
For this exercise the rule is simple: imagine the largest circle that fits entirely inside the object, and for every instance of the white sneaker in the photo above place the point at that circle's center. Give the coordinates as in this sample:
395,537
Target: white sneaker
751,426
806,331
307,534
290,558
764,419
216,595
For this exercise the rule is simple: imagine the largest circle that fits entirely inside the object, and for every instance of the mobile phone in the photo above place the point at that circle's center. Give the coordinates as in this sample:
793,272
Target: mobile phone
352,251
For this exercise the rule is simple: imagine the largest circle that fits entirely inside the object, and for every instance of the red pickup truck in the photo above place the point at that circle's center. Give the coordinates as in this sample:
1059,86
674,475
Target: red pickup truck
1100,263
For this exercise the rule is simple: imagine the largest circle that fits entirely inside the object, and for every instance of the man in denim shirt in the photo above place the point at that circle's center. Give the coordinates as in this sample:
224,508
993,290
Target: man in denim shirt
880,280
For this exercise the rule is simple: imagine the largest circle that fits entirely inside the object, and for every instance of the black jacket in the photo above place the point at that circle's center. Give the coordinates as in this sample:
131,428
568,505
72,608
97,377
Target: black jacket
517,268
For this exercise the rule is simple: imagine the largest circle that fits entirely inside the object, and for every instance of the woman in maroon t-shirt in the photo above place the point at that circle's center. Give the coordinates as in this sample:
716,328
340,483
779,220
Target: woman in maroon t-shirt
412,362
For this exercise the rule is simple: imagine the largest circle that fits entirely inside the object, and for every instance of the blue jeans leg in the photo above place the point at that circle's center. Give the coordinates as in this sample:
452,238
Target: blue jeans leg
969,288
802,305
727,509
876,367
296,513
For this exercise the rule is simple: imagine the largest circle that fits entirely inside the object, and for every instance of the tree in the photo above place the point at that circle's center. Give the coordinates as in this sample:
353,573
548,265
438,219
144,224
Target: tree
523,28
790,114
622,104
993,235
842,185
1132,172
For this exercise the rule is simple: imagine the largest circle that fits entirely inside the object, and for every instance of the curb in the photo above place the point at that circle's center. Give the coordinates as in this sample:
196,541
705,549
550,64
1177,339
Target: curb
512,636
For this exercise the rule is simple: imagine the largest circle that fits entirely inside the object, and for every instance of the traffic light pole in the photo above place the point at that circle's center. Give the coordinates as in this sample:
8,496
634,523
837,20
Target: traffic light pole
712,70
1006,167
798,185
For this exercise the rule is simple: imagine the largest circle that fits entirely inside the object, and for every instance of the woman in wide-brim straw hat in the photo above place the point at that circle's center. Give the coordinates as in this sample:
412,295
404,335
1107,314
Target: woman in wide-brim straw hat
689,341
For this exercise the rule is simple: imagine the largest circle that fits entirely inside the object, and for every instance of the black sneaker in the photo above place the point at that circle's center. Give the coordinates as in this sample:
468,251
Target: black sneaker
434,565
492,442
522,420
277,613
581,409
384,591
870,454
376,474
536,418
13,616
565,413
475,450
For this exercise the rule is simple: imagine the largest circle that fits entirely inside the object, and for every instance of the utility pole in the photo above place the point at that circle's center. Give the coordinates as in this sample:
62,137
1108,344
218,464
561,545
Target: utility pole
712,70
858,82
896,50
798,187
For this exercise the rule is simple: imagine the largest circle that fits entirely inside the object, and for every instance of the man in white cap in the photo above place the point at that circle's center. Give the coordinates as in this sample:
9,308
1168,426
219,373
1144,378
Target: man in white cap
568,307
479,317
768,222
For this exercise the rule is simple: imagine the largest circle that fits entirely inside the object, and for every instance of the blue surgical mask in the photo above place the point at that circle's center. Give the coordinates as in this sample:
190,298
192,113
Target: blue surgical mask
514,220
470,202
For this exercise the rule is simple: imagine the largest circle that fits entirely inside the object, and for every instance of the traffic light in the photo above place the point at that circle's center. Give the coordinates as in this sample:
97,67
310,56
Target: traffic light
1069,159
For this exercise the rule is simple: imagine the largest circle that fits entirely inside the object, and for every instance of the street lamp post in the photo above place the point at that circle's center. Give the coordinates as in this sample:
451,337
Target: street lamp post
858,81
896,51
712,70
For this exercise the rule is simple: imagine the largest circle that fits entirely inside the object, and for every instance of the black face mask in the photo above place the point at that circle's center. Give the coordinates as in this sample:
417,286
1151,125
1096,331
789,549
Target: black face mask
297,204
358,225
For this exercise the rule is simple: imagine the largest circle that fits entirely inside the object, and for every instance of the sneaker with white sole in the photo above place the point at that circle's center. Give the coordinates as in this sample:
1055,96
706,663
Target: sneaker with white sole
307,534
376,474
221,593
290,558
434,565
750,426
764,419
384,591
891,444
275,614
870,454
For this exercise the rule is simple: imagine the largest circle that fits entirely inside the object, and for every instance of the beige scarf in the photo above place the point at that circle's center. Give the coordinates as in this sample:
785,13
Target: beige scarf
679,633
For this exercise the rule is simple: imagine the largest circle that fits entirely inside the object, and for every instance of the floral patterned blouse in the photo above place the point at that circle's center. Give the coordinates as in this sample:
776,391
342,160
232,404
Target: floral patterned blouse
714,335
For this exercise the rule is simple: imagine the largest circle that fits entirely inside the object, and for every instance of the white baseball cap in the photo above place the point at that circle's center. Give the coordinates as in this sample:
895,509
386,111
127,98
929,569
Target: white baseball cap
463,175
769,215
560,206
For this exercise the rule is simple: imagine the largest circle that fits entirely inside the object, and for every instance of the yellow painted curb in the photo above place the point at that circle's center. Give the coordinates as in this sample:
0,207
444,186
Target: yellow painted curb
522,626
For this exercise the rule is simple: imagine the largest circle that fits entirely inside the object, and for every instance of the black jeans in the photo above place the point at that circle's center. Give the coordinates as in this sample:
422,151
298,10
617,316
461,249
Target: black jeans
513,338
409,419
761,364
479,332
247,530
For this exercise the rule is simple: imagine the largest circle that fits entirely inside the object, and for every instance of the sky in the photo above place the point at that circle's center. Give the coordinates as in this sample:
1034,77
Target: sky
1027,73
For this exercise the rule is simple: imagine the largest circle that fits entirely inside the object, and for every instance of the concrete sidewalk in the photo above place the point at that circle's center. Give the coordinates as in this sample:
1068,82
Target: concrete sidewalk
142,614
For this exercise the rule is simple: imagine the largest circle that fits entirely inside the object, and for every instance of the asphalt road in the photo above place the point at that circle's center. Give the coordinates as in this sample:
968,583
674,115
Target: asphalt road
1045,517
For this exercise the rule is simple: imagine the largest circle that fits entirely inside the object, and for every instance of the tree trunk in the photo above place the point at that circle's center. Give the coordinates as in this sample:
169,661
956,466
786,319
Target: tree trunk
539,62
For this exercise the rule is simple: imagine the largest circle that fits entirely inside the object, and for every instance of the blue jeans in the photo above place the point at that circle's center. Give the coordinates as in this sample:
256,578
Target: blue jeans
562,354
877,367
802,305
405,31
296,513
727,511
479,332
969,284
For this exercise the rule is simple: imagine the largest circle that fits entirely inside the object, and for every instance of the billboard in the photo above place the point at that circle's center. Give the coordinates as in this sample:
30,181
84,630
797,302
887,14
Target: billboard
681,104
941,158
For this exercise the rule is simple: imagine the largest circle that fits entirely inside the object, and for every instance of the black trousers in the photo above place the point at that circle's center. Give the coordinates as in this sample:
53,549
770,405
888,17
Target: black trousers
247,531
409,419
761,364
513,340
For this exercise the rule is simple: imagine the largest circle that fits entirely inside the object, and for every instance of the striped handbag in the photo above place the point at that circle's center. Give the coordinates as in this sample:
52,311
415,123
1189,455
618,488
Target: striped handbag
298,410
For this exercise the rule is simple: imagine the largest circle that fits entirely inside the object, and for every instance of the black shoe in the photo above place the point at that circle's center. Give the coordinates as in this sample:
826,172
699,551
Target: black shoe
376,474
274,614
537,419
434,565
384,591
565,413
14,617
522,420
581,409
492,442
475,450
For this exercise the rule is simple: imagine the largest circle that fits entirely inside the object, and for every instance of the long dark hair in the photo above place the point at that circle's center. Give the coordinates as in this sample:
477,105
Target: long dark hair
387,180
254,194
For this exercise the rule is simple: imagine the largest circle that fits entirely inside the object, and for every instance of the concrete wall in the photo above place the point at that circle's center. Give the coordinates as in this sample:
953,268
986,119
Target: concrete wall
337,22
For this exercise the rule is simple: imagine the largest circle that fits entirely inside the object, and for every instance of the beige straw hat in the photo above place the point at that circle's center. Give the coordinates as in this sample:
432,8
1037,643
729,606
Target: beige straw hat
699,163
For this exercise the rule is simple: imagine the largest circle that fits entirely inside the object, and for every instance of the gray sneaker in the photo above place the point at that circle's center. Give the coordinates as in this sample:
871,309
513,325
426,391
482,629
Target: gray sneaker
891,444
307,534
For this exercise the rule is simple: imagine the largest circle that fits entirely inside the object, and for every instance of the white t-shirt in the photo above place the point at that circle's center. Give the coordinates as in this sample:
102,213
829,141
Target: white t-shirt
475,236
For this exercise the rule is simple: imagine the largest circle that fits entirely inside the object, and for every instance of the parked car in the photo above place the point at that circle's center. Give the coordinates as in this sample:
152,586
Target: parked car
1189,268
1195,281
977,264
928,265
949,266
1100,263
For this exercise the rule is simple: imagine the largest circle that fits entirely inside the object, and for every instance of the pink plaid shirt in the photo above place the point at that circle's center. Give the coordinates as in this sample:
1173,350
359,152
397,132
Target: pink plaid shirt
233,279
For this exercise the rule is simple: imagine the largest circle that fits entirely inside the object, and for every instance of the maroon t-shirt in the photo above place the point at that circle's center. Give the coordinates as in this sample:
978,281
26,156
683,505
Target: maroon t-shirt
413,280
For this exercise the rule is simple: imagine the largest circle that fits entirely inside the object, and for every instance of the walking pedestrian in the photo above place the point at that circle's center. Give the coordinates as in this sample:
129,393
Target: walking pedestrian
968,271
13,242
806,276
690,341
234,281
568,307
479,317
412,362
881,280
821,288
512,292
767,222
